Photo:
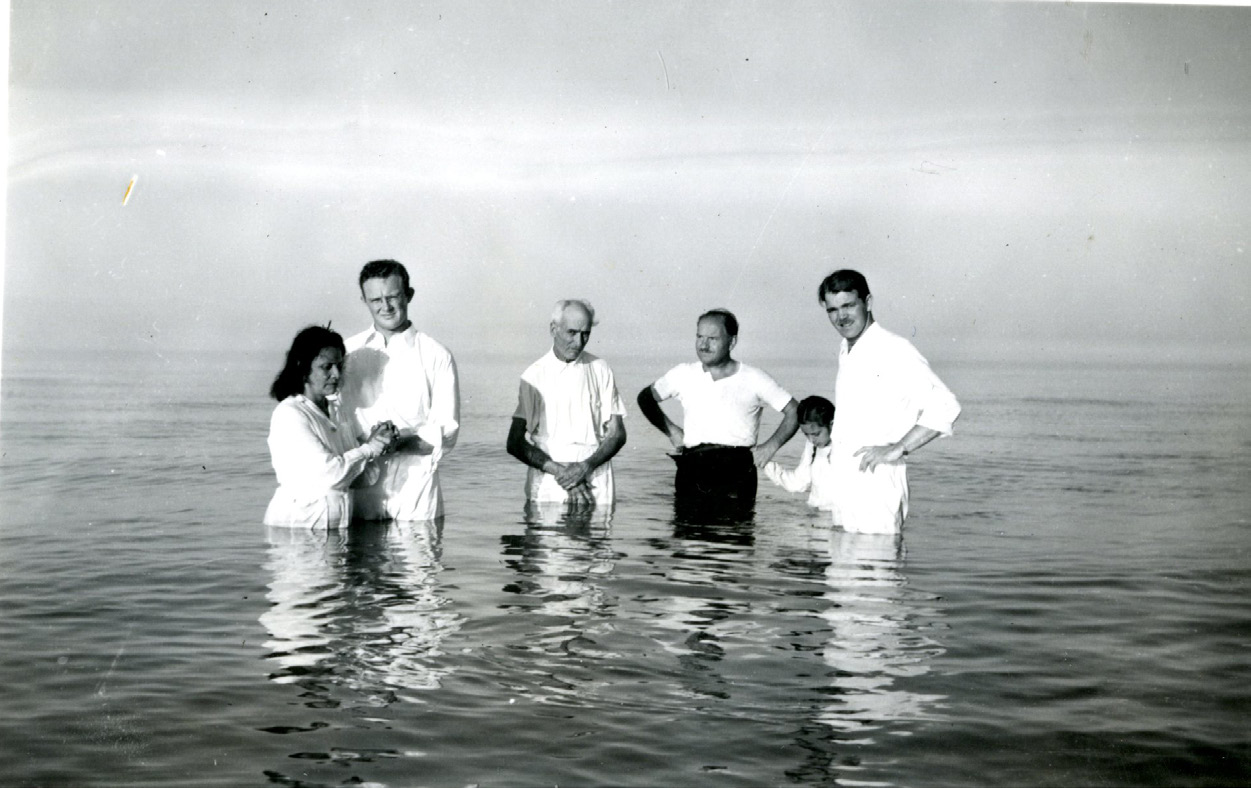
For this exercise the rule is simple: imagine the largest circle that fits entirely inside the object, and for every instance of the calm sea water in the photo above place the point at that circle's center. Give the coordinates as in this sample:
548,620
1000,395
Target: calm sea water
1068,606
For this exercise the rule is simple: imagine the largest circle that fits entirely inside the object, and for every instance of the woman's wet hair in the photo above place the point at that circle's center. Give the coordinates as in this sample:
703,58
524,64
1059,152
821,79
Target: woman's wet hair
304,350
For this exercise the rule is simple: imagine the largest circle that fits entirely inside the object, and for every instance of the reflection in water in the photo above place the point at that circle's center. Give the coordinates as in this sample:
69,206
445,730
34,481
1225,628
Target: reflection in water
874,639
873,645
707,572
561,561
357,610
560,565
730,531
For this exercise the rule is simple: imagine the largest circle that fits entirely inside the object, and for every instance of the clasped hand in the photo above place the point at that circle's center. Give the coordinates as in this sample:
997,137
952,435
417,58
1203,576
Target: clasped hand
573,477
570,474
383,437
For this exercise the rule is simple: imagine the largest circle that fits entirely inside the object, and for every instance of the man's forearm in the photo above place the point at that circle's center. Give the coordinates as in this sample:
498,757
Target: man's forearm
609,446
526,451
787,429
537,458
763,452
915,438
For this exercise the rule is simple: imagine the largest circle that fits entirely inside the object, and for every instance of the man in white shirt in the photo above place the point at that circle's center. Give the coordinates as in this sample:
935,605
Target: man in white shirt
721,403
888,403
569,420
396,373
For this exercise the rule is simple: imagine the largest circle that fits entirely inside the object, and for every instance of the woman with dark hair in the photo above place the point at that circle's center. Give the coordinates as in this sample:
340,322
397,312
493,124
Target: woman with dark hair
814,474
315,457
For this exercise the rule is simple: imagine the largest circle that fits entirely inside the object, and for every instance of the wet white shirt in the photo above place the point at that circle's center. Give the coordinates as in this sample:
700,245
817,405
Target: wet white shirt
814,474
567,407
410,381
725,411
884,389
316,459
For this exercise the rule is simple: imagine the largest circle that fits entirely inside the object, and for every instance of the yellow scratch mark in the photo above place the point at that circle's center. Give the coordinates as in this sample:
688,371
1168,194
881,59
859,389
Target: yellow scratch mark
129,189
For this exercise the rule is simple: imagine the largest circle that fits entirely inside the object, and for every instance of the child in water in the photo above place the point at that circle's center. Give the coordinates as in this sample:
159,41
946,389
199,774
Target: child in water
814,472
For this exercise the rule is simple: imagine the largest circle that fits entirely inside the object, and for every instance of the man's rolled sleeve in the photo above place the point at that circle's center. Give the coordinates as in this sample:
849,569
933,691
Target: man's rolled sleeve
444,407
939,407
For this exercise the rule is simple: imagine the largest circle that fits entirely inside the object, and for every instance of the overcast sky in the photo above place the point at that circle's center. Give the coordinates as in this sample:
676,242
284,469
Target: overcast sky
1007,175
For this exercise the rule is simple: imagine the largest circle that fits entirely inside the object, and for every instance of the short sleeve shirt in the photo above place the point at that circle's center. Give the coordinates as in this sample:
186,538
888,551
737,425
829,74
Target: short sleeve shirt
567,405
725,411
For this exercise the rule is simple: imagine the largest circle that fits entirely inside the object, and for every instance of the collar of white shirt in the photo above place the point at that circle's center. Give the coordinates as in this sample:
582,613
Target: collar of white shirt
555,359
869,332
376,337
332,404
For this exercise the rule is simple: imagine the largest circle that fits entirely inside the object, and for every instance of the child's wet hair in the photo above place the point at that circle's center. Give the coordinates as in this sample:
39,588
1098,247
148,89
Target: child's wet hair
816,410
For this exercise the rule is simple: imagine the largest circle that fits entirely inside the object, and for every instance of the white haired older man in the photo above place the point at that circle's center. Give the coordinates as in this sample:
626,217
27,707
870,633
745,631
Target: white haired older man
569,420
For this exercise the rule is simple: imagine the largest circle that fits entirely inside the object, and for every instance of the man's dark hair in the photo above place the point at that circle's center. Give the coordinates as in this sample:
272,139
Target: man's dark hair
727,318
382,269
844,281
304,351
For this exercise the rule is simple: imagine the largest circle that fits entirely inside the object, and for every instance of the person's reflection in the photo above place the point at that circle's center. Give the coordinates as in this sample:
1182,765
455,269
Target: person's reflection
357,613
708,560
560,565
304,585
874,636
561,562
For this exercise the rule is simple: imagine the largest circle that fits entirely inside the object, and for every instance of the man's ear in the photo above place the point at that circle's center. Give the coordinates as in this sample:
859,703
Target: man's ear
409,293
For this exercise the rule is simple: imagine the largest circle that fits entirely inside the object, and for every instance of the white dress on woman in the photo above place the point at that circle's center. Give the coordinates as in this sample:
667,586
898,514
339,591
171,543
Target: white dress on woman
316,459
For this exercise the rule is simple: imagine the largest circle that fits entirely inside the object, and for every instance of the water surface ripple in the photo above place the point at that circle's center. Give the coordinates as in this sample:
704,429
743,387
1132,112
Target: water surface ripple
1068,606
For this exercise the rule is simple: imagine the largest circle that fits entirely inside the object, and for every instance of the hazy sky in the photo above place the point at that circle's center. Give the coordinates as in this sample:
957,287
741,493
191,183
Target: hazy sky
1006,174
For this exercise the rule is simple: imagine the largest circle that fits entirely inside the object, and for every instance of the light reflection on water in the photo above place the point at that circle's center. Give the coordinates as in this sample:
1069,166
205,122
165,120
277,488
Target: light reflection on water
872,636
359,619
359,609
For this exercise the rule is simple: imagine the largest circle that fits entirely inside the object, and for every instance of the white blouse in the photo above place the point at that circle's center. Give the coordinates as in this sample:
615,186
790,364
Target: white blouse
316,460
